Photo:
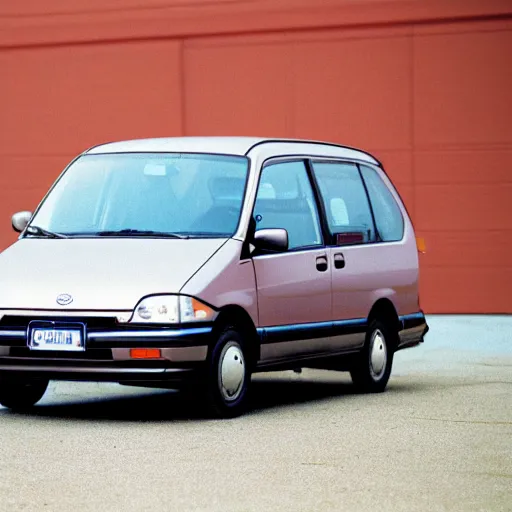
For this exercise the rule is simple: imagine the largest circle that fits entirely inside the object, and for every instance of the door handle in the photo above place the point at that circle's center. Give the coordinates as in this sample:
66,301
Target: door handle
339,260
321,263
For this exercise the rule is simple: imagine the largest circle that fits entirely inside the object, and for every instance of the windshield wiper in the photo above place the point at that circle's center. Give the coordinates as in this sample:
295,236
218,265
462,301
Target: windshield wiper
141,233
39,231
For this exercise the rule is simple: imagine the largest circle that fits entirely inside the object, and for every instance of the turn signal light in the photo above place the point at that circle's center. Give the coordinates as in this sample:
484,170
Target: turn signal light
145,353
201,311
420,244
193,310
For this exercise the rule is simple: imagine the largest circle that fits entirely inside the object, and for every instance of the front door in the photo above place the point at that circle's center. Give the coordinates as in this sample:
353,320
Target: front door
294,288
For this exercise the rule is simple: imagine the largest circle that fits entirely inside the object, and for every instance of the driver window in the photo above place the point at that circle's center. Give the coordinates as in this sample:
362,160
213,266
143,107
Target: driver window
285,200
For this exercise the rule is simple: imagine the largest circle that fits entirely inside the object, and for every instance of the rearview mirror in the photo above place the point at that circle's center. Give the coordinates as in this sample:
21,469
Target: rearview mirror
20,221
270,240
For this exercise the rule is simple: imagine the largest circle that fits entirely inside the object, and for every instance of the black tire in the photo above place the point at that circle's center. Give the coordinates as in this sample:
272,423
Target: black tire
225,398
18,393
373,378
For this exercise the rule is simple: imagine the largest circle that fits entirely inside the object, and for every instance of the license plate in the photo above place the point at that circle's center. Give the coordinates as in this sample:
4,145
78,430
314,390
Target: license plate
57,338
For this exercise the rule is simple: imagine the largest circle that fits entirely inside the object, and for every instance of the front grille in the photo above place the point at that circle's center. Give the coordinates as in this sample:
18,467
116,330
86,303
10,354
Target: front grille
19,344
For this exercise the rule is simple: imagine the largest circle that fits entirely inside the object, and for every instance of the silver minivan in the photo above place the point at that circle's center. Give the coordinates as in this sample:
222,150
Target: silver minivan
196,262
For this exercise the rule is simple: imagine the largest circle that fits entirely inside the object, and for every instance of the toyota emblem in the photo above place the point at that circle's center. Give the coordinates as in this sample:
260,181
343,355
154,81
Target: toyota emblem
64,299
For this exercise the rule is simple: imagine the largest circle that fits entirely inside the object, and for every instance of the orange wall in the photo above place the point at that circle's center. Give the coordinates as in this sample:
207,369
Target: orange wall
423,84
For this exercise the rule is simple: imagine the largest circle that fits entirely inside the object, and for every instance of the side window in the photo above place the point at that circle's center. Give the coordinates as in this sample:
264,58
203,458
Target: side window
285,200
388,217
346,203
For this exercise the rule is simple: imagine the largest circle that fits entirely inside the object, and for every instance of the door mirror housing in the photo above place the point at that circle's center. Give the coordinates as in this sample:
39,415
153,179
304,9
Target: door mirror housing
268,241
20,221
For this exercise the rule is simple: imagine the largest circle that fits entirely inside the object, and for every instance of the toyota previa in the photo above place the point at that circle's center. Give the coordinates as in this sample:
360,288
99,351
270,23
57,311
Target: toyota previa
196,262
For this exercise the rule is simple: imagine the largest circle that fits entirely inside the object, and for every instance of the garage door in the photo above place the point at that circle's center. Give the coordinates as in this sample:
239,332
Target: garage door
433,103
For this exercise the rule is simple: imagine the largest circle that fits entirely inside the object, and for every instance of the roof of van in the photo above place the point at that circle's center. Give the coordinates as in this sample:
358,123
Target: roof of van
241,146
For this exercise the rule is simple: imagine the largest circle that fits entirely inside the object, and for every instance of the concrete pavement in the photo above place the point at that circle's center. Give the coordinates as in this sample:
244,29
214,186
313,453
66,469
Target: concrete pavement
440,439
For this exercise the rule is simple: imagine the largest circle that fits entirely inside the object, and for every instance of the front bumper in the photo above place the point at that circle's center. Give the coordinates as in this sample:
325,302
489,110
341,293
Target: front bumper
106,356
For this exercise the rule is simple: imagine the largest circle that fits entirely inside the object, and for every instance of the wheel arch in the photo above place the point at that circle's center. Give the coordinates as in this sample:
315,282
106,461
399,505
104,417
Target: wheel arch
385,311
237,317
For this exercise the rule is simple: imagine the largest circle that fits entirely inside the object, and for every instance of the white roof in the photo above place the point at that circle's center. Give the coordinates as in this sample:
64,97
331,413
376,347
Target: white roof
232,146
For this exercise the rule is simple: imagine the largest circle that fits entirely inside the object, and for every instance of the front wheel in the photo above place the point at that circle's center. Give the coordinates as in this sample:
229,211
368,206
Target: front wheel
372,369
228,377
20,393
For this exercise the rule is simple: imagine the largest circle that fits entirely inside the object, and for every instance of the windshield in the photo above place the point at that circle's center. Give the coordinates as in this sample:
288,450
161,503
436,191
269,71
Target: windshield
130,194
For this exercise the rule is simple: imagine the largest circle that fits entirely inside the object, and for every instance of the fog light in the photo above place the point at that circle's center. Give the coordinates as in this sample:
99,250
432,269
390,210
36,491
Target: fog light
145,353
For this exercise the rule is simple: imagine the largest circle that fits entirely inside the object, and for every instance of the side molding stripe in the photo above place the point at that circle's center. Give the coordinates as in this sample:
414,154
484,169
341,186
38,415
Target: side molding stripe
295,332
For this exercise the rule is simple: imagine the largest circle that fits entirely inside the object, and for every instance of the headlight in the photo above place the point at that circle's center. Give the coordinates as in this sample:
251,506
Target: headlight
171,309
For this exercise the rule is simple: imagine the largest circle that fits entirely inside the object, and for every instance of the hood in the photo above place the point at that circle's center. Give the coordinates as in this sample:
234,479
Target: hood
99,274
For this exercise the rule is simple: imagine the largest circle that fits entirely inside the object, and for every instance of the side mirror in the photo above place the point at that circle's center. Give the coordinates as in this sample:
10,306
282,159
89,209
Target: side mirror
270,240
20,221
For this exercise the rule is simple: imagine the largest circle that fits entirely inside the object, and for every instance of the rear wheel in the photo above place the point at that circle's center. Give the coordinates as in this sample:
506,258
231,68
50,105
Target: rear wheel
372,368
19,393
226,384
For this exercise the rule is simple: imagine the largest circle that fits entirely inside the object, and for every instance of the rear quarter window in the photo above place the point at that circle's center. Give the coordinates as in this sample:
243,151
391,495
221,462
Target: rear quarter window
388,216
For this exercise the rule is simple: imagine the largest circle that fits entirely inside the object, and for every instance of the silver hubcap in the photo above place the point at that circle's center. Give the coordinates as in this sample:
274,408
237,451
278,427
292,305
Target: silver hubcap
378,355
231,371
